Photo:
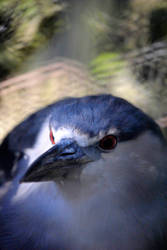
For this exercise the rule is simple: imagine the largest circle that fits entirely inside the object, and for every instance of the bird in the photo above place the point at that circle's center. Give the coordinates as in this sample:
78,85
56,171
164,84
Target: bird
84,173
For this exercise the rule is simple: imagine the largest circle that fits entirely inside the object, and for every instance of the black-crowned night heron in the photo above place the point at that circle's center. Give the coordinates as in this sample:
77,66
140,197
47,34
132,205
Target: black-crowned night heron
93,176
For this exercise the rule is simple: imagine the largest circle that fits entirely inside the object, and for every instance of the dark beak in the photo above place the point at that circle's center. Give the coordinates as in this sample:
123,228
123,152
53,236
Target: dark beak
57,162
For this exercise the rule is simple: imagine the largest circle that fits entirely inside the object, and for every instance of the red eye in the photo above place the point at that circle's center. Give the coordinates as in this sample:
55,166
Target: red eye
108,142
51,137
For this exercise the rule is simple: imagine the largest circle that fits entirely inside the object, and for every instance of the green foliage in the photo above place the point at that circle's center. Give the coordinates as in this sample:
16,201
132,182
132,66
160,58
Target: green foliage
106,65
21,30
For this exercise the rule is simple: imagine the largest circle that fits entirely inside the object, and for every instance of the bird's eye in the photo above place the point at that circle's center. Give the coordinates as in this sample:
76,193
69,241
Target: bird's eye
108,142
51,137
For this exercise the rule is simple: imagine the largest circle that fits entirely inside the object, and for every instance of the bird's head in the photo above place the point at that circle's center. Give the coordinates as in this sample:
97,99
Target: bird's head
98,138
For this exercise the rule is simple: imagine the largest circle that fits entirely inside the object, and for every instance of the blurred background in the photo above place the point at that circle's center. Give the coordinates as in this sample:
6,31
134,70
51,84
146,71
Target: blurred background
57,48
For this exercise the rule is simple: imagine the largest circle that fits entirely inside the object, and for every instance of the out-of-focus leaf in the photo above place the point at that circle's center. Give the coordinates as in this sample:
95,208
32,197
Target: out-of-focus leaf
106,64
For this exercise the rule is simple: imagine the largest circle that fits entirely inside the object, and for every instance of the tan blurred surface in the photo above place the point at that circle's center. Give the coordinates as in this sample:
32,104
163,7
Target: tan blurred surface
22,95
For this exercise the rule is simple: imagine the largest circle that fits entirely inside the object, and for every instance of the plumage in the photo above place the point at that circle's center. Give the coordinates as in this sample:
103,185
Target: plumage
73,192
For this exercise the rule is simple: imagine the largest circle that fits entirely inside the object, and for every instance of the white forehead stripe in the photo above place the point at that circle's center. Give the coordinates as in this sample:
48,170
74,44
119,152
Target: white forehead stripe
82,139
63,132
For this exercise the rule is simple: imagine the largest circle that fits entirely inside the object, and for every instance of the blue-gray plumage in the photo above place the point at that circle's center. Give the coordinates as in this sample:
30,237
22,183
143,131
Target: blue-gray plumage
88,173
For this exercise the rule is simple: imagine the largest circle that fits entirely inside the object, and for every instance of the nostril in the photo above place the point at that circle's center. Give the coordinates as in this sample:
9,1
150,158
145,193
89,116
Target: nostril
67,153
